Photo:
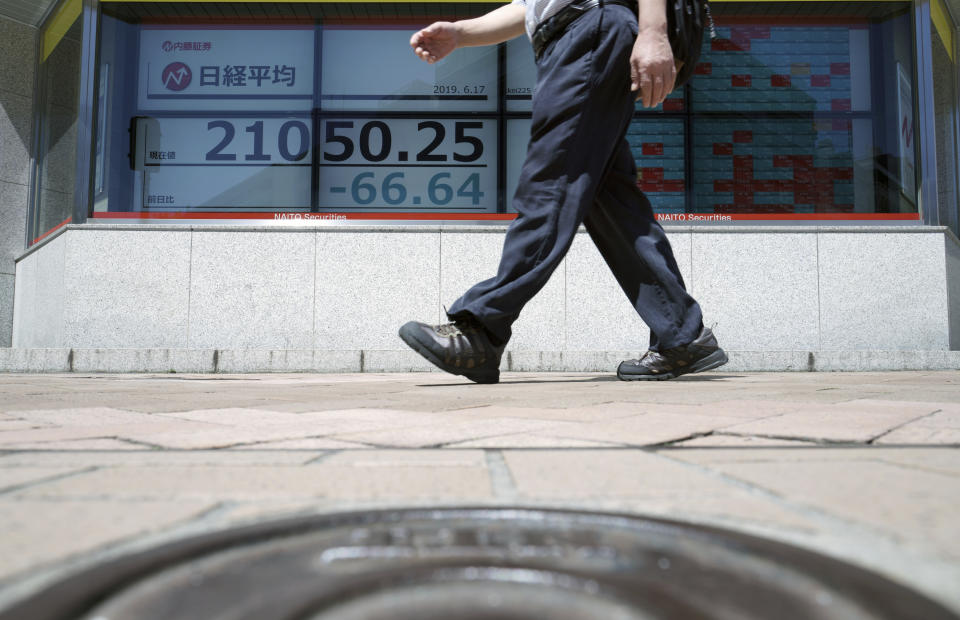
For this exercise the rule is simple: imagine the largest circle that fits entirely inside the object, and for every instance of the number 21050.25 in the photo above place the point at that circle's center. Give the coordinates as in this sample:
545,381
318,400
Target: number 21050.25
293,141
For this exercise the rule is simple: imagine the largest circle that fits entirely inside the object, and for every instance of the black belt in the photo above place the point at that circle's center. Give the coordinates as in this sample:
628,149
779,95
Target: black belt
556,24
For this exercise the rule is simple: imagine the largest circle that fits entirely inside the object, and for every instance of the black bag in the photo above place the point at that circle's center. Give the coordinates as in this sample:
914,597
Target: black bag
686,20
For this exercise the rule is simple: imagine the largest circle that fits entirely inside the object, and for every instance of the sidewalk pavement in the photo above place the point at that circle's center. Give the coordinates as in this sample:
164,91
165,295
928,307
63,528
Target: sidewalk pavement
864,467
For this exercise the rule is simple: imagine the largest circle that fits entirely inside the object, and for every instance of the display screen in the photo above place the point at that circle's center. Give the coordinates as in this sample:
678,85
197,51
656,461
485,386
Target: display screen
394,79
221,162
226,69
323,108
405,163
521,76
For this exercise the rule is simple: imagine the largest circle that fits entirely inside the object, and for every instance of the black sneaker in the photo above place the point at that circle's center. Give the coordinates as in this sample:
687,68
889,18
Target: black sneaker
462,347
702,354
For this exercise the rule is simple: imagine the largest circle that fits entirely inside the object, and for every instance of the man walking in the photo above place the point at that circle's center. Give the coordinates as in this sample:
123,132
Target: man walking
595,58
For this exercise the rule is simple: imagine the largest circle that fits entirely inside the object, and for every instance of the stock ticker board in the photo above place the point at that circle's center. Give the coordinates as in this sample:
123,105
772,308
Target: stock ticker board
771,124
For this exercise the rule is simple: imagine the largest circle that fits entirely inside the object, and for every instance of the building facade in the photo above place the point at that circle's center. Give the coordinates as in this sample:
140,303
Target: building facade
279,185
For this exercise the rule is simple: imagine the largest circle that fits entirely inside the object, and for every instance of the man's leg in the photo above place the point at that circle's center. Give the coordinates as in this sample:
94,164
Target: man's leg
623,227
581,111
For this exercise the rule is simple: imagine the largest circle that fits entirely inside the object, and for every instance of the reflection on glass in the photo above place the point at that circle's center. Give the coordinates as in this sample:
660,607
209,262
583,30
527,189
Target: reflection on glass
657,145
236,162
383,76
755,67
518,138
773,165
946,98
804,117
57,150
521,77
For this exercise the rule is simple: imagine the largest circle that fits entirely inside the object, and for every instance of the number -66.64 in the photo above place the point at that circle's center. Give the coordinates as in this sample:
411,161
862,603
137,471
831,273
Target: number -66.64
392,189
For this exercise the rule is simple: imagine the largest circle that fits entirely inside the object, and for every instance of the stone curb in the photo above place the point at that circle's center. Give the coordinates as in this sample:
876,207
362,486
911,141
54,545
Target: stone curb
319,361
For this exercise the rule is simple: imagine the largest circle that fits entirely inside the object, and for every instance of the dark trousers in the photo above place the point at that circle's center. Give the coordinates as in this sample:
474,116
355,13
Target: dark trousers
579,169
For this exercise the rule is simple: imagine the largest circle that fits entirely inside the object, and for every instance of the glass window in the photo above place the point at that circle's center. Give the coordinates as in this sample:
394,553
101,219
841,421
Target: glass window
295,110
794,116
946,97
61,41
320,111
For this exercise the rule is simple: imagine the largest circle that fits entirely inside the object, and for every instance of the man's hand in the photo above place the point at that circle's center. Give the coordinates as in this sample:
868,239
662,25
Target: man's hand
652,69
435,41
440,38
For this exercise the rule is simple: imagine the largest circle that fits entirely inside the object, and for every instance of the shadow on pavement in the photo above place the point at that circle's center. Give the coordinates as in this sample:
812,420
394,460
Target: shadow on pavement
612,377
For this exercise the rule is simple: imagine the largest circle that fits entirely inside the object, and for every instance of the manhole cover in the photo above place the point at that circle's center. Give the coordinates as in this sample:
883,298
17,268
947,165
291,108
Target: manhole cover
476,564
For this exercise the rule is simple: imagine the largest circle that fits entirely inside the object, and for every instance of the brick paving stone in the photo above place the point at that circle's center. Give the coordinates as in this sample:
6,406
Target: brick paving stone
267,483
81,417
742,409
73,445
922,434
160,458
907,505
450,432
752,409
592,474
145,429
337,402
339,421
835,453
943,427
858,420
308,443
728,441
245,512
660,426
638,481
593,413
939,460
530,440
10,424
734,508
235,416
293,427
177,404
408,458
38,533
12,477
254,511
923,394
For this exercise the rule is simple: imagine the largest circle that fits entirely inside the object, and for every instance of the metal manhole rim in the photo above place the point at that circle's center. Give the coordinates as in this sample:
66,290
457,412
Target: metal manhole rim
79,592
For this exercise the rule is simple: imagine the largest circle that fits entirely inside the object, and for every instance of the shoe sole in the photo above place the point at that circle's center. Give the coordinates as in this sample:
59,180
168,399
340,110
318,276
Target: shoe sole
485,376
714,360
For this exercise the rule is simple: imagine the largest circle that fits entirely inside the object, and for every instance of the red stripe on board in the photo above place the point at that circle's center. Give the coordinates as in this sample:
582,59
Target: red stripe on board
230,23
673,105
53,230
268,22
727,217
498,216
653,148
206,215
384,23
793,20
